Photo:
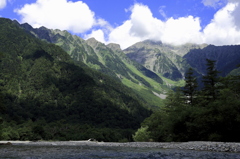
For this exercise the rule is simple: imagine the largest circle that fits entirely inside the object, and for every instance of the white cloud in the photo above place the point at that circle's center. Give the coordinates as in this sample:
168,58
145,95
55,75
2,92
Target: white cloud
58,14
161,11
223,30
236,13
102,29
3,4
97,34
122,36
104,25
182,30
142,25
214,3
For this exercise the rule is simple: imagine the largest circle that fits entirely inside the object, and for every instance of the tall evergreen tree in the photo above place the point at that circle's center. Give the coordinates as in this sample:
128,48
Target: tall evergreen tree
190,88
210,80
174,100
1,104
1,97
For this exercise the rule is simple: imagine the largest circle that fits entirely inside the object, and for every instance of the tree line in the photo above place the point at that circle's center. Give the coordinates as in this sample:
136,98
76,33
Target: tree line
191,113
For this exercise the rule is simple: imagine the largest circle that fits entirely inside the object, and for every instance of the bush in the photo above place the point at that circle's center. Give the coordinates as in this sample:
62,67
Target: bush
142,135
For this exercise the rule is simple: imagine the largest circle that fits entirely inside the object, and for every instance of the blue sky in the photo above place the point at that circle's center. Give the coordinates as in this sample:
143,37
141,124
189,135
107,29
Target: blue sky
129,21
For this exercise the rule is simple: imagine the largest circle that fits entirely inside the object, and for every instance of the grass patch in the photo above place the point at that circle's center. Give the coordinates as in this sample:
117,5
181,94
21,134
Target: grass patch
170,83
145,93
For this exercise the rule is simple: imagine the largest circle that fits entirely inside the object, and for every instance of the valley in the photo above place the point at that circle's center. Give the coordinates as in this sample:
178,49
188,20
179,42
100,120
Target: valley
54,84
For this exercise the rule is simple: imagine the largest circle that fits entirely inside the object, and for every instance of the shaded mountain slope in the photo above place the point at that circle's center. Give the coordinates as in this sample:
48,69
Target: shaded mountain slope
227,58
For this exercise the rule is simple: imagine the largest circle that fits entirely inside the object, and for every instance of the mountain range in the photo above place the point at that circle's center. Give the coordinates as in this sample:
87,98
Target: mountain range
150,68
108,59
45,71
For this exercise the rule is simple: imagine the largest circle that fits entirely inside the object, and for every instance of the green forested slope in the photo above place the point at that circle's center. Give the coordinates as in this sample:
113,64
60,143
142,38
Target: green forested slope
47,96
235,71
108,59
210,113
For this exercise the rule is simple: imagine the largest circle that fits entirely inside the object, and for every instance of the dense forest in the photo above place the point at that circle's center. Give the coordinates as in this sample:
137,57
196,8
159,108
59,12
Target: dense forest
208,113
45,95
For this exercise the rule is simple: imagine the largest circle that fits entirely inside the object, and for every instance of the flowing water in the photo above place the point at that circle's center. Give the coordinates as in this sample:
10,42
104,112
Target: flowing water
105,152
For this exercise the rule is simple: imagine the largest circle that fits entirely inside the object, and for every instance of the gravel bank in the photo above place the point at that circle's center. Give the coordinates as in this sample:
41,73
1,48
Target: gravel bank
193,145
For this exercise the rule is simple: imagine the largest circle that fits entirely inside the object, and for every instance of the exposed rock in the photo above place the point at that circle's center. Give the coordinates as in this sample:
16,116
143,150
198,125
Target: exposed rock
114,47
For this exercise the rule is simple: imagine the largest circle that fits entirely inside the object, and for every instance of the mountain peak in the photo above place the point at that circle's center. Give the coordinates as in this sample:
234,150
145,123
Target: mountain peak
16,22
27,26
114,47
93,42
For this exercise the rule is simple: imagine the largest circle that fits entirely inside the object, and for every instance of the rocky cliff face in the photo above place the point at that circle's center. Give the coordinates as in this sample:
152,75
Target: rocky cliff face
161,58
114,47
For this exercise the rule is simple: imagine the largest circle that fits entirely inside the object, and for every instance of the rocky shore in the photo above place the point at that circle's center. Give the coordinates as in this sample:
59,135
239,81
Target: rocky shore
107,150
193,145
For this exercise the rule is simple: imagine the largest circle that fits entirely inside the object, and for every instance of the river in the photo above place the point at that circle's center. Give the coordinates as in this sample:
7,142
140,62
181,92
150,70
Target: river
55,151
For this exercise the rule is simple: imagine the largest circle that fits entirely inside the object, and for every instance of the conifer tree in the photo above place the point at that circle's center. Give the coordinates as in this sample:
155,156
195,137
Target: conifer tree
190,88
174,100
1,97
210,80
1,106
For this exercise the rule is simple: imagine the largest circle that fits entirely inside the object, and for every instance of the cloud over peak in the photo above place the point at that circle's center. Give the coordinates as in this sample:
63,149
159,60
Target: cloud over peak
142,25
224,28
77,17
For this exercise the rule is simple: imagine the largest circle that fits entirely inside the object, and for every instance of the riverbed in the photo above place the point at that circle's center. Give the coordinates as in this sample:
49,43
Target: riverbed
102,150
